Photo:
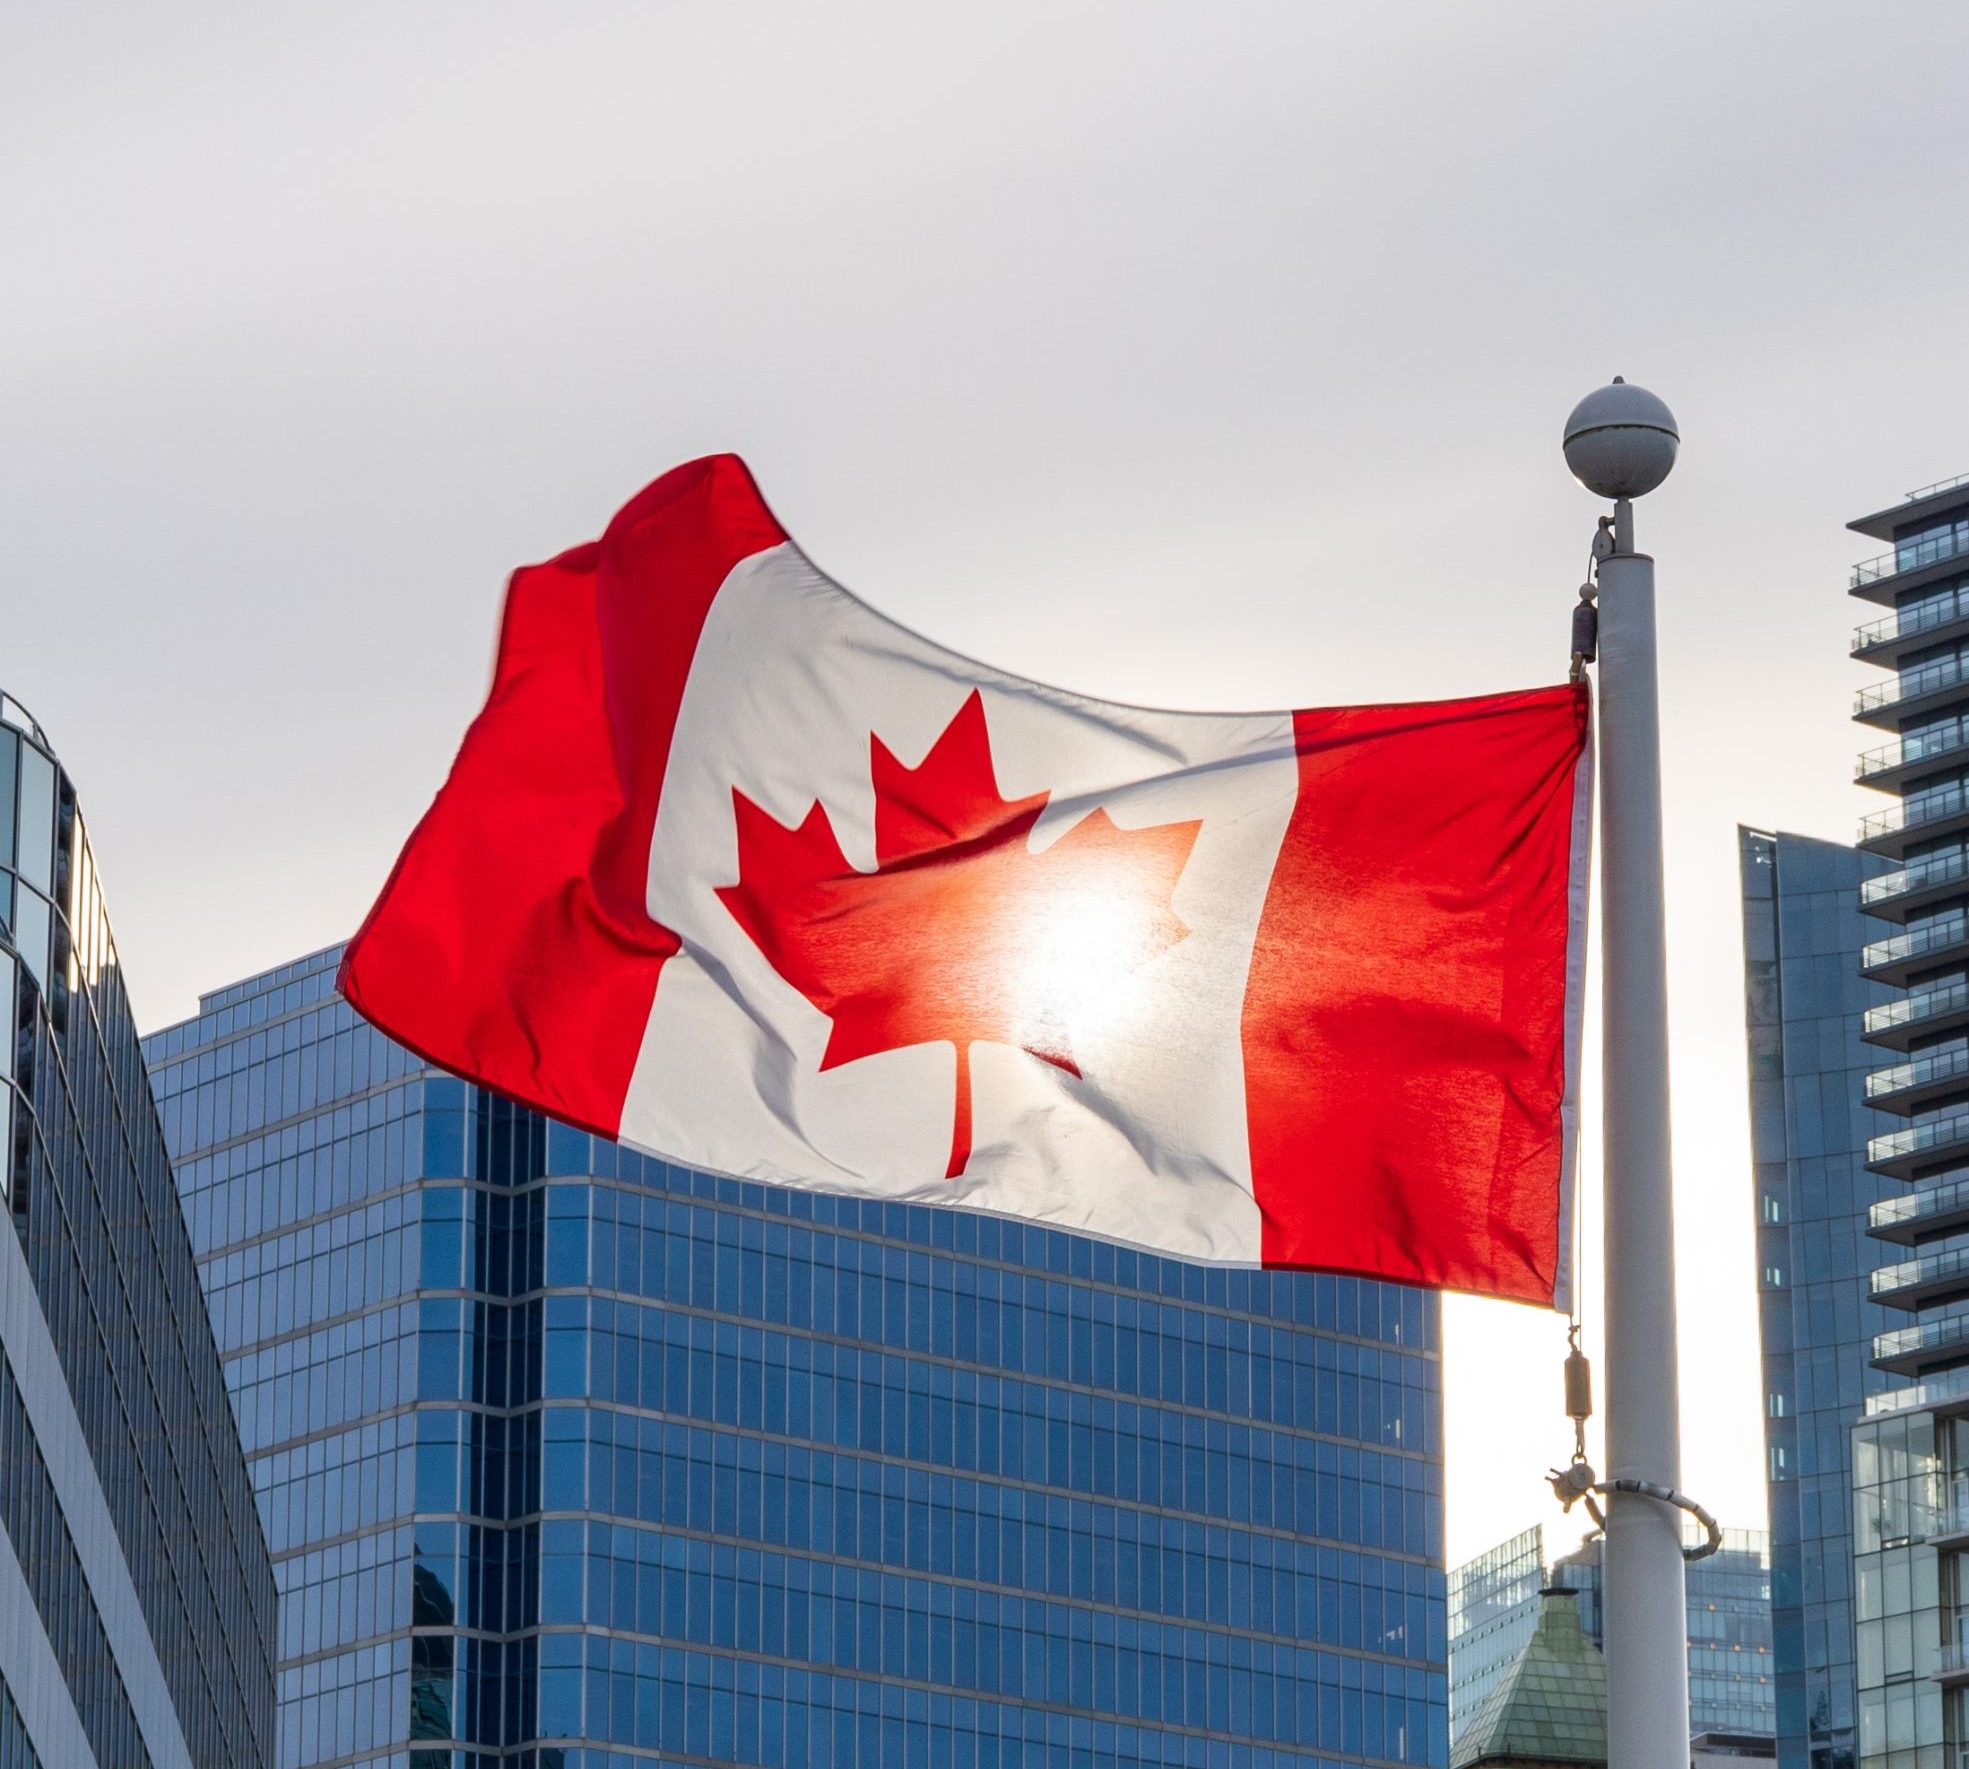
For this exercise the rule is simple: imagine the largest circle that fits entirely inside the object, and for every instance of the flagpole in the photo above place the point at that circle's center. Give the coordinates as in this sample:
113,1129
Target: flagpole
1621,442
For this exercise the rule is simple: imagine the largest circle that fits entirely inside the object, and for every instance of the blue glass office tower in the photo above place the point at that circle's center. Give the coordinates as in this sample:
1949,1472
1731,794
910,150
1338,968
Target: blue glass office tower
1803,932
136,1595
573,1458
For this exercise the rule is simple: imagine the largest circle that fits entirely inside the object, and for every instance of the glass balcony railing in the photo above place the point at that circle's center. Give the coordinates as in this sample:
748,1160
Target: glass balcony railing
1907,623
1952,1513
1909,1209
1922,1071
1915,813
1918,1005
1939,1337
1930,678
1918,875
1917,1139
1913,556
1937,936
1952,1656
1922,746
1931,1268
1930,1391
1928,491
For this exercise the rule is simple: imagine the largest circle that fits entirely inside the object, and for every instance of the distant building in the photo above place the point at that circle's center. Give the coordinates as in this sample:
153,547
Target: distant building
136,1595
572,1458
1547,1708
1911,1451
1494,1607
1807,1015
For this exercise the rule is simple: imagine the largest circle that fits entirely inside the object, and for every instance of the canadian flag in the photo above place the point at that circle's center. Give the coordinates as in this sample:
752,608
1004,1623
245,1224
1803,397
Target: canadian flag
737,870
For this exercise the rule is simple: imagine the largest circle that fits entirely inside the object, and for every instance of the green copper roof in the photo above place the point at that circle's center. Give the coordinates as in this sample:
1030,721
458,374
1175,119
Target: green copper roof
1549,1706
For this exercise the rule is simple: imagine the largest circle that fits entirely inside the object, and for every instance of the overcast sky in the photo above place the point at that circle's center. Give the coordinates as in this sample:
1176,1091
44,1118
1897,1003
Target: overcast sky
1206,355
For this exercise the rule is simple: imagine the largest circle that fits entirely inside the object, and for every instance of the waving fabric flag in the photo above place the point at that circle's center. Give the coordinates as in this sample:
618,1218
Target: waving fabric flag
737,870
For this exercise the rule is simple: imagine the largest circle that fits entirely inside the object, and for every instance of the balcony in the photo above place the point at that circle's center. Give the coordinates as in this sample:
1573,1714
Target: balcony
1951,1664
1918,690
1874,578
1897,1024
1950,1389
1914,1217
1940,810
1919,1149
1896,958
1907,1087
1894,896
1888,766
1883,641
1915,1283
1950,1523
1930,1345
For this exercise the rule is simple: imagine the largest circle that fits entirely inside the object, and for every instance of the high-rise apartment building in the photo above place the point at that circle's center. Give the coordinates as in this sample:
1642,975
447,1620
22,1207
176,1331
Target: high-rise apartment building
136,1594
1494,1609
1911,1451
574,1458
1812,1194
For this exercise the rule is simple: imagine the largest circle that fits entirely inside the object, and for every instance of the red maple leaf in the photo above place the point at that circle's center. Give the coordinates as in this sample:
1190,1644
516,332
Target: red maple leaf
962,934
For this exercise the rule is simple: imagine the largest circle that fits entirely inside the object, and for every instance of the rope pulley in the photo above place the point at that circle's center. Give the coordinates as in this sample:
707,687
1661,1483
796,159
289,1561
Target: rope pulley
1585,632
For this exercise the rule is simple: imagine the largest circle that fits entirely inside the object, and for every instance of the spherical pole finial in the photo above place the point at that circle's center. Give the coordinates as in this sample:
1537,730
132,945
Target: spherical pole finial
1621,441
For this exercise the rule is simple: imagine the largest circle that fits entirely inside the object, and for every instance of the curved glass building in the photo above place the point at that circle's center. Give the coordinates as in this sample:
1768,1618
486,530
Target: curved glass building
136,1593
573,1459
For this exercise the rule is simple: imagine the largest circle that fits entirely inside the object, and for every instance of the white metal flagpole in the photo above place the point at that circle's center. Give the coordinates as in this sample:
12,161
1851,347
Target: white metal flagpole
1621,442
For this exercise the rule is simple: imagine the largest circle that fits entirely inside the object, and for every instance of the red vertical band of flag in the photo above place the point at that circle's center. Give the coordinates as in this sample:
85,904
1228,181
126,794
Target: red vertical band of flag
1430,863
512,942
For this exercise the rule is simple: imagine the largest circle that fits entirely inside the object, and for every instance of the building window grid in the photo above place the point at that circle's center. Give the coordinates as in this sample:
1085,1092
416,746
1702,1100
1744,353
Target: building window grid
82,1172
16,1748
1803,931
35,1524
726,1224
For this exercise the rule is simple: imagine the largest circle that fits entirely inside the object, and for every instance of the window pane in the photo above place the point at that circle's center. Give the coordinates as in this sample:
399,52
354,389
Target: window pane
37,819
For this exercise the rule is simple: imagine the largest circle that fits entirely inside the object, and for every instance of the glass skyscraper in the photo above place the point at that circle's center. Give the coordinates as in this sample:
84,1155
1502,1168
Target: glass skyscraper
1804,1001
1911,1452
1493,1609
136,1594
574,1458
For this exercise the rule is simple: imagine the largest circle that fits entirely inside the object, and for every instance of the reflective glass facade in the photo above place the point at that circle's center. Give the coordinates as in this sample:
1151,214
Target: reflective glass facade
1909,1535
1493,1611
1493,1608
1911,1612
598,1462
16,1748
135,1585
1804,1001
